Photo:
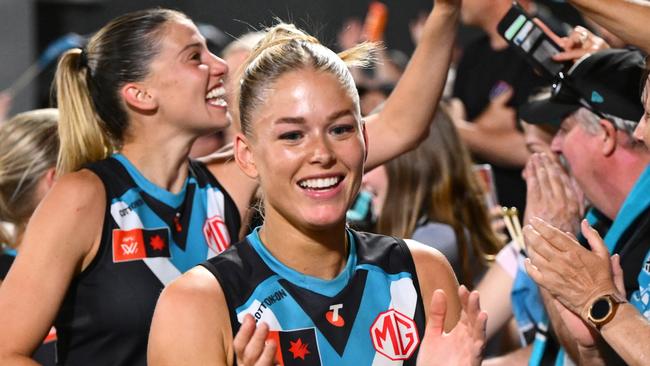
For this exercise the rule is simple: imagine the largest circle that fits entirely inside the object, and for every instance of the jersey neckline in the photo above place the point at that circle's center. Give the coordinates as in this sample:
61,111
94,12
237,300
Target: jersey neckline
161,194
324,287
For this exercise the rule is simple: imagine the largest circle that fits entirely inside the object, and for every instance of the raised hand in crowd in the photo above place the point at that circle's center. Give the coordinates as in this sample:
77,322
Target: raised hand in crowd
464,344
498,115
551,194
579,42
627,19
351,34
416,26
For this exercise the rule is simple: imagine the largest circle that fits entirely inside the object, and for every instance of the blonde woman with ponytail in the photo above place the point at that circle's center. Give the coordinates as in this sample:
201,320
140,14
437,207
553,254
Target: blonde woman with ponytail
130,212
302,288
27,172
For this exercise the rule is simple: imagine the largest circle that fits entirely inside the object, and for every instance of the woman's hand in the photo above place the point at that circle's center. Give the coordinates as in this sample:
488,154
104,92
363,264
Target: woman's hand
464,344
251,346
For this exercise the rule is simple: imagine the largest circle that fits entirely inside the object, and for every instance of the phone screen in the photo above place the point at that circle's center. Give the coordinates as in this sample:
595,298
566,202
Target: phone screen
520,31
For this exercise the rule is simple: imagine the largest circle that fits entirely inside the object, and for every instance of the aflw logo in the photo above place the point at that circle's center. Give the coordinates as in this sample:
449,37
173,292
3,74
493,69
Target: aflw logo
129,249
394,335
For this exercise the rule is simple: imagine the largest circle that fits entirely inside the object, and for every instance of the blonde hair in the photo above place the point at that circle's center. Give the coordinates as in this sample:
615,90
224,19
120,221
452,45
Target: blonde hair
285,48
88,82
29,148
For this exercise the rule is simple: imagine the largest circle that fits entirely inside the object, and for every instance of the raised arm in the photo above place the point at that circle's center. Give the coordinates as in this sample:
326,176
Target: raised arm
404,120
61,239
627,19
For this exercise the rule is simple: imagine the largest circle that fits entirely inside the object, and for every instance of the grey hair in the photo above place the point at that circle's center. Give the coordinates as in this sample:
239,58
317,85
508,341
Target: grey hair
591,119
591,123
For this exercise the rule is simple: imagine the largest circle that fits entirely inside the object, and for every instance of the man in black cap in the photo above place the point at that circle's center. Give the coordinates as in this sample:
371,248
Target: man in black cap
597,106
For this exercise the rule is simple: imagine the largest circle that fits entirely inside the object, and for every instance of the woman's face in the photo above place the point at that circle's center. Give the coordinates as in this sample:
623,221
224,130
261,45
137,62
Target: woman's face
642,131
307,149
376,183
186,80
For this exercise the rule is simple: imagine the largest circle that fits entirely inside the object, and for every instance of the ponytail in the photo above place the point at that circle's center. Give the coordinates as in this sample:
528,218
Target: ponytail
83,139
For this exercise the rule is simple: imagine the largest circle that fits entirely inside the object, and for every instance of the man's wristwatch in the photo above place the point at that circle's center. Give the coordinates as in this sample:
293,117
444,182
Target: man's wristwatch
603,309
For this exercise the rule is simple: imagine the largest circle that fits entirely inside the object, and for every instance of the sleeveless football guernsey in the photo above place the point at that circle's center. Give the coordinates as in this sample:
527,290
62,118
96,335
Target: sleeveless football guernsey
150,236
370,314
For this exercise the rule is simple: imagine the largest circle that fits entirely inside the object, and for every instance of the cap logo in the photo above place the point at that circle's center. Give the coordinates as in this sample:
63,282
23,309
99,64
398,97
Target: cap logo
596,97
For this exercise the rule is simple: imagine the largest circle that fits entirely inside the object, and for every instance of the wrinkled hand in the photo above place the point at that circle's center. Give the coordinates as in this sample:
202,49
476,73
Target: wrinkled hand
572,274
464,344
551,194
498,115
251,346
584,334
578,43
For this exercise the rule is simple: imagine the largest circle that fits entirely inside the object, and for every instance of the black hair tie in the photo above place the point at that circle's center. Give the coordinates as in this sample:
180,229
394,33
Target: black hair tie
83,58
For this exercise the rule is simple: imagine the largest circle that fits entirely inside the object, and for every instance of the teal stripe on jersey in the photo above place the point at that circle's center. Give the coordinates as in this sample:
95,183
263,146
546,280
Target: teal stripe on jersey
323,287
168,198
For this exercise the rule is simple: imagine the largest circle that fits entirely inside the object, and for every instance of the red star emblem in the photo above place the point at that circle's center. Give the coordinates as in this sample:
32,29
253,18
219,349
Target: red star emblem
298,349
157,243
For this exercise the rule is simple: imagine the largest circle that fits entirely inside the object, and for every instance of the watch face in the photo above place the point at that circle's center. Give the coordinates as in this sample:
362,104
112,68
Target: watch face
600,309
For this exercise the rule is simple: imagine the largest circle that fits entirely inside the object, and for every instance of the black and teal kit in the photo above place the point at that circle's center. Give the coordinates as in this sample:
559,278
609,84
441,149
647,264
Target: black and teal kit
150,236
370,314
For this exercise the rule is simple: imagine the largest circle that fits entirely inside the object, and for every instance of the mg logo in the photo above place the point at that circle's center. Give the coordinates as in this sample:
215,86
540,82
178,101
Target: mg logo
216,234
394,335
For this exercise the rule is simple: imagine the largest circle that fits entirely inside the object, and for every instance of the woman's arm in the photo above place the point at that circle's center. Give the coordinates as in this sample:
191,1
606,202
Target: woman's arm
191,325
434,272
62,238
404,120
495,289
627,19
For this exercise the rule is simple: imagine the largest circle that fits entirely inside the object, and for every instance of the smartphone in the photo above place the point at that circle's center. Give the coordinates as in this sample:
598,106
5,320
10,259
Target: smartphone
530,41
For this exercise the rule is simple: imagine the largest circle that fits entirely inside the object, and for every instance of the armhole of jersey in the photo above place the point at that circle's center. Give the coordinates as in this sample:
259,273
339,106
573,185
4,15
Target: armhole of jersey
104,238
234,324
406,252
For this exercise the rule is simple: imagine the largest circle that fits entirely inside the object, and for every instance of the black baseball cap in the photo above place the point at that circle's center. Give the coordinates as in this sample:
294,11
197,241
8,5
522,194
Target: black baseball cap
606,82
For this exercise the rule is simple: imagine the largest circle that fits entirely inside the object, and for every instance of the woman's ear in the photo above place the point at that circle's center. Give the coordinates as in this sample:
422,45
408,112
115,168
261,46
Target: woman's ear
136,96
50,177
244,156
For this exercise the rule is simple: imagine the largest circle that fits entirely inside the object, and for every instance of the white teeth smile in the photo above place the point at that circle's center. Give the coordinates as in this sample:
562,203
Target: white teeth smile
216,97
218,92
219,102
320,183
